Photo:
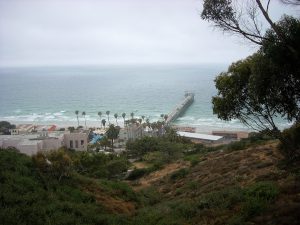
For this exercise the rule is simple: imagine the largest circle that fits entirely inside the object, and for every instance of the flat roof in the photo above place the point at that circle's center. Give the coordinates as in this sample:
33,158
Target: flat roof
199,136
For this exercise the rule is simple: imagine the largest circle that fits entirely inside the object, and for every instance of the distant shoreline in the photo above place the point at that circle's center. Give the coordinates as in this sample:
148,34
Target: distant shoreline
96,124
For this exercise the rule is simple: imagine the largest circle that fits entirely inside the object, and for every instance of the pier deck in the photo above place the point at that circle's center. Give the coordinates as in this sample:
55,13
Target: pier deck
181,107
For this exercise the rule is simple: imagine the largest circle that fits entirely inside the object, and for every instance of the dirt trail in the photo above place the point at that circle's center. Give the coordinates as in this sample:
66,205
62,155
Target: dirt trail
112,204
160,174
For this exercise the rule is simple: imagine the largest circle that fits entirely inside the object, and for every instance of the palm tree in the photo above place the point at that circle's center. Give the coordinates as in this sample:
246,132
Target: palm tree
103,121
132,115
166,117
104,142
140,120
107,113
124,115
148,123
162,116
77,112
143,117
83,113
100,114
112,133
116,117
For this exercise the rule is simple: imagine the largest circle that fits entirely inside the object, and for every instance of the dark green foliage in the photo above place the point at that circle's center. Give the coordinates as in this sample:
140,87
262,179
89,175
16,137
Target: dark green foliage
265,85
29,195
181,173
150,196
5,127
249,201
71,129
158,150
142,146
221,199
112,133
120,189
137,173
290,142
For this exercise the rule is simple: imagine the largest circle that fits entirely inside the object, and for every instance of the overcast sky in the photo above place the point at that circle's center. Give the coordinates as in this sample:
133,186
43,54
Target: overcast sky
37,32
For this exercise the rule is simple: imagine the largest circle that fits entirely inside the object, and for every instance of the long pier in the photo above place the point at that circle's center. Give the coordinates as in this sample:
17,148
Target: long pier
181,107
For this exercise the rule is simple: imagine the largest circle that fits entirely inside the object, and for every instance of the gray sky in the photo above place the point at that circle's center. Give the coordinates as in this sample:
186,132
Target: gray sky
112,32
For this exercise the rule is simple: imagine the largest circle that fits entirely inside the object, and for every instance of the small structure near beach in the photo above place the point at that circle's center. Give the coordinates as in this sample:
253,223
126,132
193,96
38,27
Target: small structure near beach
202,138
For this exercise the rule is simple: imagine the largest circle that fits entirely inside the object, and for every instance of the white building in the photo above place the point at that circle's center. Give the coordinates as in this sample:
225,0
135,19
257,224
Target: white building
76,140
131,132
201,138
30,144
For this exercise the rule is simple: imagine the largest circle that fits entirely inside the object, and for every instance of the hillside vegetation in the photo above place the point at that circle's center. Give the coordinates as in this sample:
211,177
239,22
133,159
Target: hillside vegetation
176,182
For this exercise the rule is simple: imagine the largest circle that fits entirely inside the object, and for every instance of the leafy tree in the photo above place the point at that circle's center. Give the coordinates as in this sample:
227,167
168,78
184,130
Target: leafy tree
242,18
5,127
71,129
112,133
55,163
263,86
290,144
238,97
76,113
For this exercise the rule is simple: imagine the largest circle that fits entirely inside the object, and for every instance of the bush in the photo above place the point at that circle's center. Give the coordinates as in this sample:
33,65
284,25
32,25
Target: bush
290,142
257,197
150,196
179,174
137,173
223,199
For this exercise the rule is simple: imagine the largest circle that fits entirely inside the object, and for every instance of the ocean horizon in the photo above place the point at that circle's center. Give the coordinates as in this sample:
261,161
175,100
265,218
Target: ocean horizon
51,95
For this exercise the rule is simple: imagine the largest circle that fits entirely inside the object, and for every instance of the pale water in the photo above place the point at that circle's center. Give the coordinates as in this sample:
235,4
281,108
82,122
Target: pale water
50,95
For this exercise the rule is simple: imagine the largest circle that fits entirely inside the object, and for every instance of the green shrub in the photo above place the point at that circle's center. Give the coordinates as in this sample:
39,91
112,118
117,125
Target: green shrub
257,197
223,199
119,189
150,196
137,173
237,145
265,191
181,173
290,142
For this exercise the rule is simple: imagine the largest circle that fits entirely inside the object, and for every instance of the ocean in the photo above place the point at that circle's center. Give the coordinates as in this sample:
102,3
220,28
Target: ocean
51,95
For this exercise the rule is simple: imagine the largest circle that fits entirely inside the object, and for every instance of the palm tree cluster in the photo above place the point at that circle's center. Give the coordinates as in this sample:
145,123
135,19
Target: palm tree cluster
138,121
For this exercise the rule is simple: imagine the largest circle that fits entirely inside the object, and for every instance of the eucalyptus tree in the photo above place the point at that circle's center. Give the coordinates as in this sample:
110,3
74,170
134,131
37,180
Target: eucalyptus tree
77,112
107,113
83,113
265,85
116,117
